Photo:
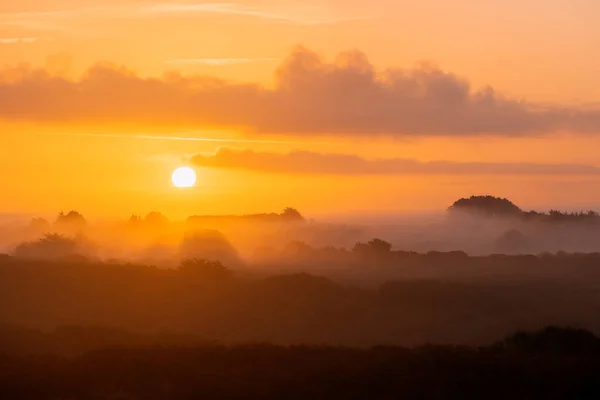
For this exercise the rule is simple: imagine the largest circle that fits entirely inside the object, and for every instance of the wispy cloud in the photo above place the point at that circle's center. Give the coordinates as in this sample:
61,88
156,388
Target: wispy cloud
216,62
301,16
306,162
58,19
18,40
174,138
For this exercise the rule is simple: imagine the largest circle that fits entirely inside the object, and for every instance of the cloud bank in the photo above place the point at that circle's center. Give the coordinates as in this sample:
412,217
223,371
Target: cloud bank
305,162
346,96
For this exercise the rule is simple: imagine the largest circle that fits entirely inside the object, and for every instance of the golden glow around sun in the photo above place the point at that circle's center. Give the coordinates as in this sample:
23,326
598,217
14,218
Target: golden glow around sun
184,177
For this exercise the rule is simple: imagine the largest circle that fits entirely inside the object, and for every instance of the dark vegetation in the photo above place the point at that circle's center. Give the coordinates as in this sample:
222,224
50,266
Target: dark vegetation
54,245
553,363
447,298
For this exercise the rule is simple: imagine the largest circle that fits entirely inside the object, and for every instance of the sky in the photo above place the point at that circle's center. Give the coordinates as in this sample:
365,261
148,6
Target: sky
327,106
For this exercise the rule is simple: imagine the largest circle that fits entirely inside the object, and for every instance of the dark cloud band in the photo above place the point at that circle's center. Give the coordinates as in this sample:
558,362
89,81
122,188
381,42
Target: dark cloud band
305,162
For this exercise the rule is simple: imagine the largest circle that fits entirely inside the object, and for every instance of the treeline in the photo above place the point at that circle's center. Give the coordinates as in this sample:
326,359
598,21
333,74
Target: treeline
478,303
378,252
558,216
491,206
552,363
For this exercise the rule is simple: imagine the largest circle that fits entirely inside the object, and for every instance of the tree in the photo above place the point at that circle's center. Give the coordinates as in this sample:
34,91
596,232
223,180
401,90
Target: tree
373,247
486,205
135,220
39,225
512,241
72,221
156,219
553,339
298,248
51,245
205,269
291,214
208,245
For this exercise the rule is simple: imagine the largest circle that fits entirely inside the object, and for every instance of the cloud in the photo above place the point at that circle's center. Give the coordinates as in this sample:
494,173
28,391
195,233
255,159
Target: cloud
18,40
54,20
216,62
347,96
294,16
171,138
59,19
306,162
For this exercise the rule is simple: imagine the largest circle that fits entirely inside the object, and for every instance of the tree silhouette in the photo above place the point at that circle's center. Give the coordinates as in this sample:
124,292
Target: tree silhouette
298,248
373,247
39,225
72,221
135,220
205,269
292,214
156,219
51,245
553,339
208,245
486,205
512,241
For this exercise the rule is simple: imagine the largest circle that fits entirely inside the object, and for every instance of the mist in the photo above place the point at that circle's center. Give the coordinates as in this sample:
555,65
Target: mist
149,286
208,274
250,241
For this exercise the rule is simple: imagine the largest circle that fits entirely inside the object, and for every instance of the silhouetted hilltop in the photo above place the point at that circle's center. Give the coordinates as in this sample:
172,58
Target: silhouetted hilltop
487,206
490,206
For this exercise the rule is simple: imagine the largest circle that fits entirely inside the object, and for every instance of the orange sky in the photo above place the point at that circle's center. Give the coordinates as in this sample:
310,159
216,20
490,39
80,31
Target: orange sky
537,55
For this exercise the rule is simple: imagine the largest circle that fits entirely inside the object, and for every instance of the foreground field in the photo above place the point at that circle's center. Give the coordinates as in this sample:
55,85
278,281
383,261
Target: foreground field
554,363
470,301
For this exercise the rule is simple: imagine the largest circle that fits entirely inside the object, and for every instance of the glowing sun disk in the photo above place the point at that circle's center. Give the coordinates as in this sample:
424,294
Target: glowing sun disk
184,177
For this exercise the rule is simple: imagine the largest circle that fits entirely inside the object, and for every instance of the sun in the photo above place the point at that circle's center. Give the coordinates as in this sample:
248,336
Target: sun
184,177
